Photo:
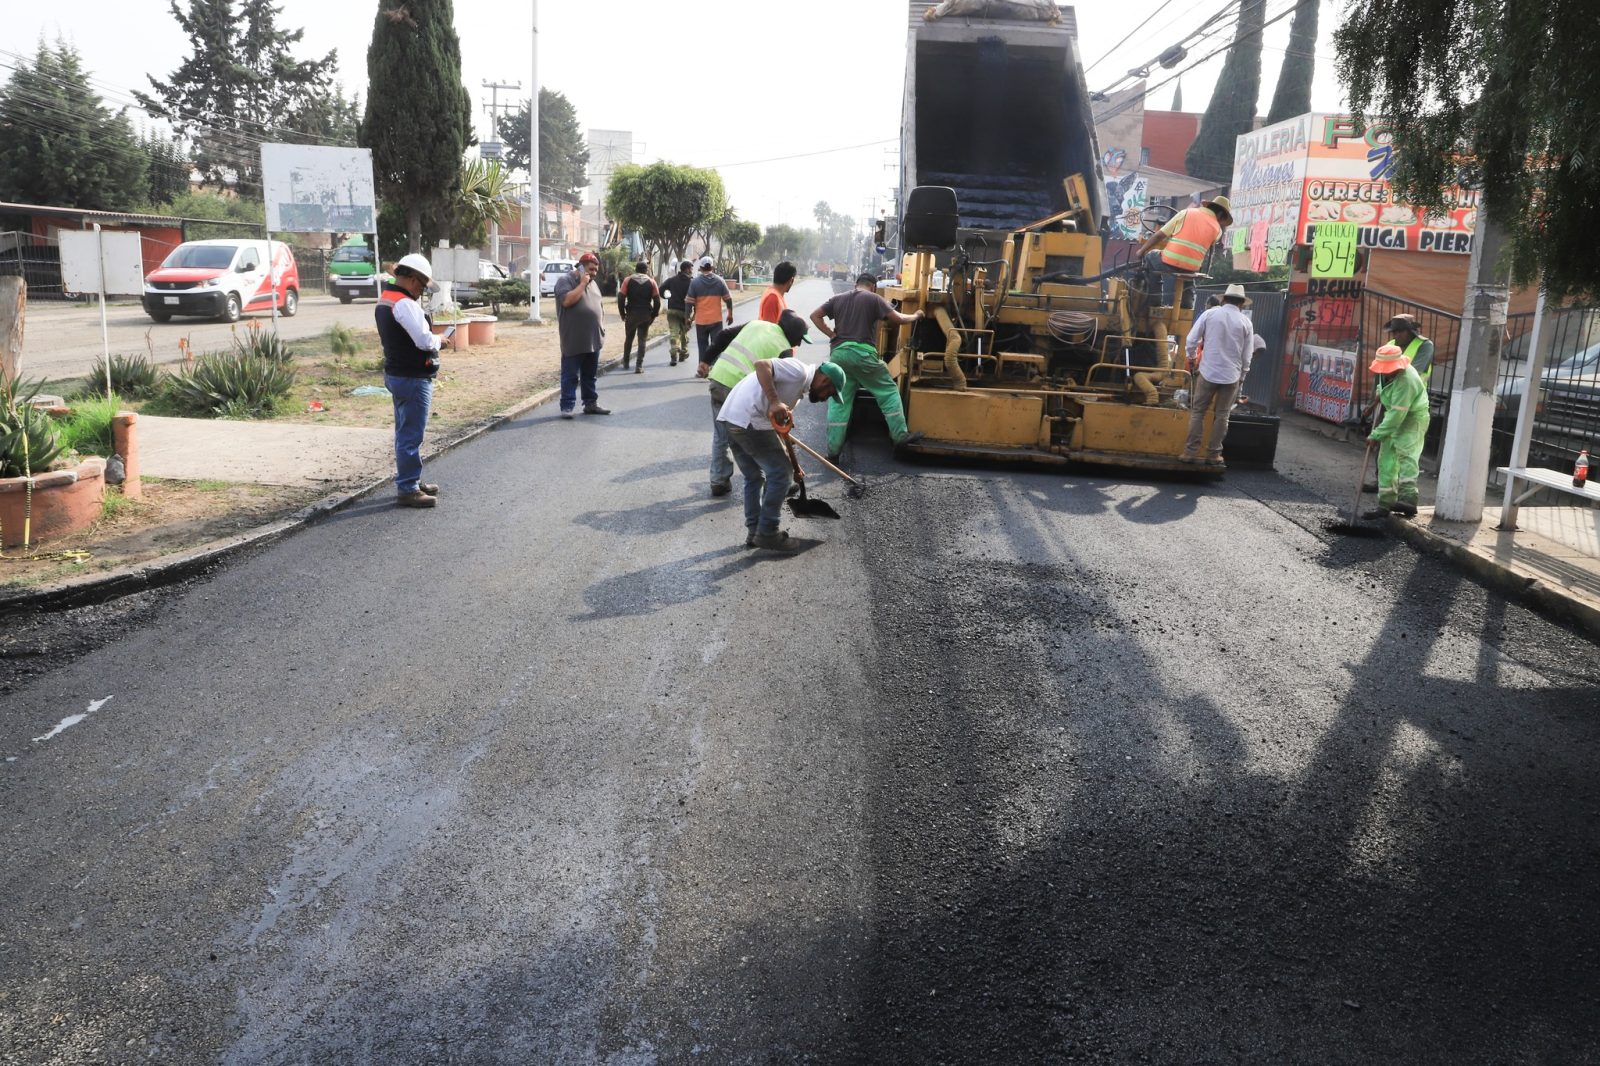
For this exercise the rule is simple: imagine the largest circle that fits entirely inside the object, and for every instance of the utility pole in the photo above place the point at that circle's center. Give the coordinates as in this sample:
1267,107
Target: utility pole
494,108
535,268
1464,462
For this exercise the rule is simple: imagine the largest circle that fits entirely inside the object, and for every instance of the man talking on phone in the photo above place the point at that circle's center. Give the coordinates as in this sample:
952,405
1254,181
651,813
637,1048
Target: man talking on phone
410,362
583,334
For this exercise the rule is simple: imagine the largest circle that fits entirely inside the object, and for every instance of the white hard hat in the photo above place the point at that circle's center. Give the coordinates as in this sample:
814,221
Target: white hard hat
418,263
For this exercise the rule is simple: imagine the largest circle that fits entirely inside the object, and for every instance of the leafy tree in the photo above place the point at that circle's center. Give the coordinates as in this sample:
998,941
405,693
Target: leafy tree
782,241
169,168
239,86
1232,110
738,237
207,204
483,200
563,155
59,145
667,203
1503,95
1293,95
419,115
327,116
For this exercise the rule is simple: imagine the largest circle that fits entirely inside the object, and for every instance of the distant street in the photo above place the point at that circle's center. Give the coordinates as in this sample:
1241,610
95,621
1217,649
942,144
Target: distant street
1004,767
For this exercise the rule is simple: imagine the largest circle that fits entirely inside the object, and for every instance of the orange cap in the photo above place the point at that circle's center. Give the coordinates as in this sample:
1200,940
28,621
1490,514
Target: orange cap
1389,359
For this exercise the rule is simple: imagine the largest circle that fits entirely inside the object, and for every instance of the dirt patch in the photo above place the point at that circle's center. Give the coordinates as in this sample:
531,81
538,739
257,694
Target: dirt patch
171,516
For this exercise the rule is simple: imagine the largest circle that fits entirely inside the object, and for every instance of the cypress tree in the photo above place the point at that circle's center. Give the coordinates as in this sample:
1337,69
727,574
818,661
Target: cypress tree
1293,94
419,114
1232,110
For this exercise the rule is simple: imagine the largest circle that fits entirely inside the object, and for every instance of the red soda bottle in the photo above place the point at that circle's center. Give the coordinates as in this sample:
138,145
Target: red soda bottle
1580,470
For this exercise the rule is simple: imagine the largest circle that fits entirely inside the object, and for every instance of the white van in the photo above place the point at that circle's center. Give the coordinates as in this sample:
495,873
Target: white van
222,279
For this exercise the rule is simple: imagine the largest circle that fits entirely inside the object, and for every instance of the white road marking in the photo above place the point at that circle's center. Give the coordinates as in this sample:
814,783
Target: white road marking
73,719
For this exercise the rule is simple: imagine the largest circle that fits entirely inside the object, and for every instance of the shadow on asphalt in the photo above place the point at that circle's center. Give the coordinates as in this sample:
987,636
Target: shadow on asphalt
681,581
663,516
684,464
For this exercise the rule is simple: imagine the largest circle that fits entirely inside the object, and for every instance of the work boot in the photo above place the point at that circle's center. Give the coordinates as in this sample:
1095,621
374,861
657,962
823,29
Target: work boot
415,499
674,361
596,409
750,539
1375,513
721,488
776,542
566,413
428,489
640,368
1189,457
1406,510
625,361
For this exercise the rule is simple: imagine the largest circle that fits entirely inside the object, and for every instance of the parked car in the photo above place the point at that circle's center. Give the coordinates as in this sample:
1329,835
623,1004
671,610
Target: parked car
466,293
222,279
353,271
1568,410
552,270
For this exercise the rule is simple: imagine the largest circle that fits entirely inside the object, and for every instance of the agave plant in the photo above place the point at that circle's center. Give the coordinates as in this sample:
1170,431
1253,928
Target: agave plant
133,376
230,385
260,344
28,441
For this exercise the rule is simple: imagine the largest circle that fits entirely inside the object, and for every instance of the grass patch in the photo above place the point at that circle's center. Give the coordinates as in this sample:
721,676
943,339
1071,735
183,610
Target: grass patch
212,486
115,503
88,430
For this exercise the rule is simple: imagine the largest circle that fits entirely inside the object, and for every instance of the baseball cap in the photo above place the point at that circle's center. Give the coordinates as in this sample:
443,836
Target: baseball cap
835,374
705,261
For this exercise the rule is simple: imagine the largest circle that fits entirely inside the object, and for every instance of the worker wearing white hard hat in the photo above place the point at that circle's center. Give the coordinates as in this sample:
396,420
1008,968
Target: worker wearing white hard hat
410,362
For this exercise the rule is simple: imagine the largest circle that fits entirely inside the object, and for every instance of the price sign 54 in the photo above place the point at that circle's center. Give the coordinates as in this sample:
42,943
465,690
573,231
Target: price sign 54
1333,250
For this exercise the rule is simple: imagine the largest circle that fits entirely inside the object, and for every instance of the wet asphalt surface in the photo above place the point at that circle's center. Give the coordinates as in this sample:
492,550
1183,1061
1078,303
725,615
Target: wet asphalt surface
1003,767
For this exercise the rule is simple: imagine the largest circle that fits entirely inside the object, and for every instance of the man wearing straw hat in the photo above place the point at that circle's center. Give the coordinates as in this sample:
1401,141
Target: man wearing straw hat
1400,435
1222,339
1182,245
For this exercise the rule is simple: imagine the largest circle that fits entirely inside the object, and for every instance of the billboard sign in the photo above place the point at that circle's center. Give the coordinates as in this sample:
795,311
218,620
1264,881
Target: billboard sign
1269,175
314,189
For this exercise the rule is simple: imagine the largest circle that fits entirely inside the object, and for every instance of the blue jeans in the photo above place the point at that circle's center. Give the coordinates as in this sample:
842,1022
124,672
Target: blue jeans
721,461
1163,276
413,399
767,475
574,367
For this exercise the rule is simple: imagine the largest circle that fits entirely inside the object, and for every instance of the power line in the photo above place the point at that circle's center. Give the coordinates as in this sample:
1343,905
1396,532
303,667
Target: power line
1113,49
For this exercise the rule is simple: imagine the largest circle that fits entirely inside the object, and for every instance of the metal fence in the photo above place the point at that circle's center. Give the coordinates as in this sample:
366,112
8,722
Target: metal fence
1269,309
1567,414
35,259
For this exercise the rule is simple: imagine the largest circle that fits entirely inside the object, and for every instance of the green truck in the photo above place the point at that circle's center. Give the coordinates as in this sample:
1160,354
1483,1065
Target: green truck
353,271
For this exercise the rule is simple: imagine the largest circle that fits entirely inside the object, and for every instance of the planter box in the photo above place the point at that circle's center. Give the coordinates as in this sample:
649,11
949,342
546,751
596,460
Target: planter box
480,329
460,341
64,501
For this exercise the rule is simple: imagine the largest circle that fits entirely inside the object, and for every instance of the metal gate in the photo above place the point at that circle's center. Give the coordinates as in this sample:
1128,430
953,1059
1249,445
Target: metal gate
1269,309
35,259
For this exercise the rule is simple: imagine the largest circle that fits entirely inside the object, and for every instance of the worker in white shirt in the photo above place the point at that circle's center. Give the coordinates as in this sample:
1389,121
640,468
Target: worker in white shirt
755,408
1224,337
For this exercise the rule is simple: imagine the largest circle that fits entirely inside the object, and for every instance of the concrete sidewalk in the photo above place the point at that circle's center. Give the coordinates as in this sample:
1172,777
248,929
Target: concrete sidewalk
1552,559
262,453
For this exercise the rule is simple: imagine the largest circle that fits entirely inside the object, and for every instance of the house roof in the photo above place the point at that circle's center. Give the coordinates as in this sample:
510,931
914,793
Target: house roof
83,214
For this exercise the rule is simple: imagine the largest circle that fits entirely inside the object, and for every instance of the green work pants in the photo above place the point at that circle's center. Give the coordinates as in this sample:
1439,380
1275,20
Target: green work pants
678,335
863,370
1398,457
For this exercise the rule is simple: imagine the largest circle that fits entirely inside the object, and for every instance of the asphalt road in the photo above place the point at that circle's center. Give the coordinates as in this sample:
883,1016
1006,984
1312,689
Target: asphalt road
1004,767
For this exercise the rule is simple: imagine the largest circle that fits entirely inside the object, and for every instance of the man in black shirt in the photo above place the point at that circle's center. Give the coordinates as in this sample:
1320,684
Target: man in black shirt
675,289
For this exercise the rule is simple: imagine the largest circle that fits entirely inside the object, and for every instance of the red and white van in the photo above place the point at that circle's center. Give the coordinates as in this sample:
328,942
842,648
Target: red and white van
222,279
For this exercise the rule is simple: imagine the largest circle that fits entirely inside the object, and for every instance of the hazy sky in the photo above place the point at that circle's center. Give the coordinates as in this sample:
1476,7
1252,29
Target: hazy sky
739,82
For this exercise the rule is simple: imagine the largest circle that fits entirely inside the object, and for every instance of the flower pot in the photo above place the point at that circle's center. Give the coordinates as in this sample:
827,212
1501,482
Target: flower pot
64,501
459,341
480,329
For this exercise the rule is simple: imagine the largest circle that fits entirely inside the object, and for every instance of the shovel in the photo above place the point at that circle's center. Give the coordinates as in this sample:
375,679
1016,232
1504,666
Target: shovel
801,505
1354,528
857,489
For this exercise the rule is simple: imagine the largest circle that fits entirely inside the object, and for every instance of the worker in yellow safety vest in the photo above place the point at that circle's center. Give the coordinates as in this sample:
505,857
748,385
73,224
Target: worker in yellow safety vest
1181,246
730,358
1403,333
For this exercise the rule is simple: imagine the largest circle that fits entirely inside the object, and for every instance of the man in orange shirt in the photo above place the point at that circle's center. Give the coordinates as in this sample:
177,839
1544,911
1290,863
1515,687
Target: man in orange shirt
773,304
704,293
1181,246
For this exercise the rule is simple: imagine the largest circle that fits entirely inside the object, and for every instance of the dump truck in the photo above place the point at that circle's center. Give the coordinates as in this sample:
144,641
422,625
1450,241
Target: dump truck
1030,350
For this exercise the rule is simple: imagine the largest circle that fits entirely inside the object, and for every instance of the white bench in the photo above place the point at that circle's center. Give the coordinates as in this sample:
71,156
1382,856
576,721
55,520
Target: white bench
1539,477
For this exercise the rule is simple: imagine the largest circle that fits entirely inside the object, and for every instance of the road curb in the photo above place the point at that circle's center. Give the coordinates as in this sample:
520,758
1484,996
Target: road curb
171,569
1547,599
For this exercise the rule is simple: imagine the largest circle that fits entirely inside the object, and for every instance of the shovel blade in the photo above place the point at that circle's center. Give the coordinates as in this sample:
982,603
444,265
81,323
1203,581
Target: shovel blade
812,509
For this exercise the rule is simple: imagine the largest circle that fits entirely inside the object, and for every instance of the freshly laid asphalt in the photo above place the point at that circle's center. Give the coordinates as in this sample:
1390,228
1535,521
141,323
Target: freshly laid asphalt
1004,766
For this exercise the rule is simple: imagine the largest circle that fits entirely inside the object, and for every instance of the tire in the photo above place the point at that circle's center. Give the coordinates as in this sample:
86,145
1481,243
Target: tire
159,316
345,297
231,308
291,303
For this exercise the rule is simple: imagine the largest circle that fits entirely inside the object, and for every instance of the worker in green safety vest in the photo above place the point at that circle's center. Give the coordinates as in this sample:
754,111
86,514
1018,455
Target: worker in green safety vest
730,358
1403,334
